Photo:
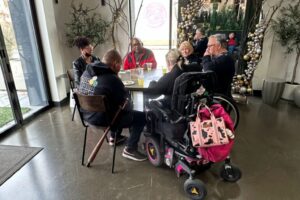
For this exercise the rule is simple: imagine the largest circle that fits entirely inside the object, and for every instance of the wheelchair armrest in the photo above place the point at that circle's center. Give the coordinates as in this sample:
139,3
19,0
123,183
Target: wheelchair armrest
168,115
178,120
157,105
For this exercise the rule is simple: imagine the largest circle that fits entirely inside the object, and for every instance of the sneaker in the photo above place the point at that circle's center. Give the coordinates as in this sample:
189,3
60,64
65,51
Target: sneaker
133,155
120,139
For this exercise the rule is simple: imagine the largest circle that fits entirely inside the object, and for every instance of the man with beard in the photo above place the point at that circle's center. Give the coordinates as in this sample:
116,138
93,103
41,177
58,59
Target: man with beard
138,56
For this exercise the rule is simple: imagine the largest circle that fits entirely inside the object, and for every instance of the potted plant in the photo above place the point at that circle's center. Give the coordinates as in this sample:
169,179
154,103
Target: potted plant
85,22
286,28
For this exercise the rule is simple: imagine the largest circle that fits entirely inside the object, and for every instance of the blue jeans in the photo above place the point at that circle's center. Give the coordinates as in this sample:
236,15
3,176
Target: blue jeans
231,49
135,121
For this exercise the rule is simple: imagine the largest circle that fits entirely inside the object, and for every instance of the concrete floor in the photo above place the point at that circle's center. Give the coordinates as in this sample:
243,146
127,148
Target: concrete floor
267,151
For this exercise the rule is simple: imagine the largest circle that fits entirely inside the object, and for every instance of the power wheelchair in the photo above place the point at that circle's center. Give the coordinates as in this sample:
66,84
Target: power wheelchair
168,139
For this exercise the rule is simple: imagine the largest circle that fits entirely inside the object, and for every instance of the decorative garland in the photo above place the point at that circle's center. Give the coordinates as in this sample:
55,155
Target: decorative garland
187,26
242,83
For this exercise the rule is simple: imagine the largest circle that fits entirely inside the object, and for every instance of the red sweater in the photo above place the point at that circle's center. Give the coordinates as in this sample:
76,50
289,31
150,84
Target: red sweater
231,42
145,56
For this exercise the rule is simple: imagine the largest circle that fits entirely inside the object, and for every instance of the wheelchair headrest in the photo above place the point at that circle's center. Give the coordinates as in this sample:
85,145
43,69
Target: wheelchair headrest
188,83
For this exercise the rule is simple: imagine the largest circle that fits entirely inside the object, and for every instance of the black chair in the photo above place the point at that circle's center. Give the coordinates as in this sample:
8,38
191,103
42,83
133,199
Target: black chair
70,74
96,103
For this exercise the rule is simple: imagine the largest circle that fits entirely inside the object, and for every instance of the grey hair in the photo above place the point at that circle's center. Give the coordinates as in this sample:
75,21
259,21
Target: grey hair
221,39
172,56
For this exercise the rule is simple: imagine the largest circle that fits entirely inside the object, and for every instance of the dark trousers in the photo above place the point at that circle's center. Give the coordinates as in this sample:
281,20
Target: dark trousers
135,121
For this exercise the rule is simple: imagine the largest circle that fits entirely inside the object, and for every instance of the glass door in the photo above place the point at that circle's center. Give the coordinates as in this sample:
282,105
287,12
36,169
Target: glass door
7,117
22,64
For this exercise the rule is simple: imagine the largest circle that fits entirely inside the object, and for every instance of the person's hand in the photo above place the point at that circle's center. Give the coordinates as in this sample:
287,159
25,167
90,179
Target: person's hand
86,55
195,37
207,53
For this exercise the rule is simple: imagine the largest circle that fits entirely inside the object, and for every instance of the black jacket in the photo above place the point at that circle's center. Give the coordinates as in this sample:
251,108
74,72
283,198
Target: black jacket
99,79
192,59
224,68
79,65
165,84
200,46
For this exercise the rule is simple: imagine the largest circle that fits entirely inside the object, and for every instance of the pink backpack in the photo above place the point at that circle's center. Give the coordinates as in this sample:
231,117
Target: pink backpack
216,153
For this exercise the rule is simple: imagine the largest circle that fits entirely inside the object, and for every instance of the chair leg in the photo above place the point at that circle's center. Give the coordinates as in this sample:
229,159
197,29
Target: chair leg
74,110
106,137
97,147
114,154
84,144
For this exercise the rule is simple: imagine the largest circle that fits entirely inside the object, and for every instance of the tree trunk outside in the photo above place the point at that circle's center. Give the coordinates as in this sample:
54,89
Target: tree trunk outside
113,35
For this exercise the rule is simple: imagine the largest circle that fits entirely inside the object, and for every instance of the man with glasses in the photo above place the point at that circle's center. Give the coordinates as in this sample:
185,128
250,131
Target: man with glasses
217,59
86,57
138,56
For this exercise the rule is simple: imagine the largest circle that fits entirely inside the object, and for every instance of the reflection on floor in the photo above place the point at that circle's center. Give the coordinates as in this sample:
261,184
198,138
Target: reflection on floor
267,151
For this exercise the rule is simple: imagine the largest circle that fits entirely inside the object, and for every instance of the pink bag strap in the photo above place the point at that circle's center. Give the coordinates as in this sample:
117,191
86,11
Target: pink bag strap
212,116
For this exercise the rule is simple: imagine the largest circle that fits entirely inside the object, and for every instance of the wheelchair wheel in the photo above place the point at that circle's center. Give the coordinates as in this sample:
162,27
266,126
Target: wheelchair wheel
229,106
195,189
230,173
154,154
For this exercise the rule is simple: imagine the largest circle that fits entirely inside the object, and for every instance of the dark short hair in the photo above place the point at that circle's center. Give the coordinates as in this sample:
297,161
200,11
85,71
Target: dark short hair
112,56
81,42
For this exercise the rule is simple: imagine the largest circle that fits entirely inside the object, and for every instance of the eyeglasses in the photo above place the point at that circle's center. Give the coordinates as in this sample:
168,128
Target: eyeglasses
210,45
135,44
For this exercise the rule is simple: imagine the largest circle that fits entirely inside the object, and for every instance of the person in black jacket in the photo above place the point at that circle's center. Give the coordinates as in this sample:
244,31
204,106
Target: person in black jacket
217,59
165,85
86,57
101,78
176,66
200,42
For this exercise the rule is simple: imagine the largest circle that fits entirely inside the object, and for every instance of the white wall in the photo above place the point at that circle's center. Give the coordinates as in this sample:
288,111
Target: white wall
275,64
51,49
52,18
62,15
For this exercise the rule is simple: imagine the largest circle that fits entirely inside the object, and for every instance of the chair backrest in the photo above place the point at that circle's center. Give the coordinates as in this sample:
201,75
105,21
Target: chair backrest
90,103
188,83
70,74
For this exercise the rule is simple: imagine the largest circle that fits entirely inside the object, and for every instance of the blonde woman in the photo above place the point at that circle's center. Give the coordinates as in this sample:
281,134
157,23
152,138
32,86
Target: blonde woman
187,52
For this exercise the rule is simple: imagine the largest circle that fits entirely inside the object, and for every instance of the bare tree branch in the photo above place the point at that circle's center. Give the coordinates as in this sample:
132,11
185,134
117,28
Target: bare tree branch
123,28
137,18
110,6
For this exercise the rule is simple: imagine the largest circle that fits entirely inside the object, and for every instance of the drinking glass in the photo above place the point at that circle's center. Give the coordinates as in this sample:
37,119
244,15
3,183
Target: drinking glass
140,76
149,66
